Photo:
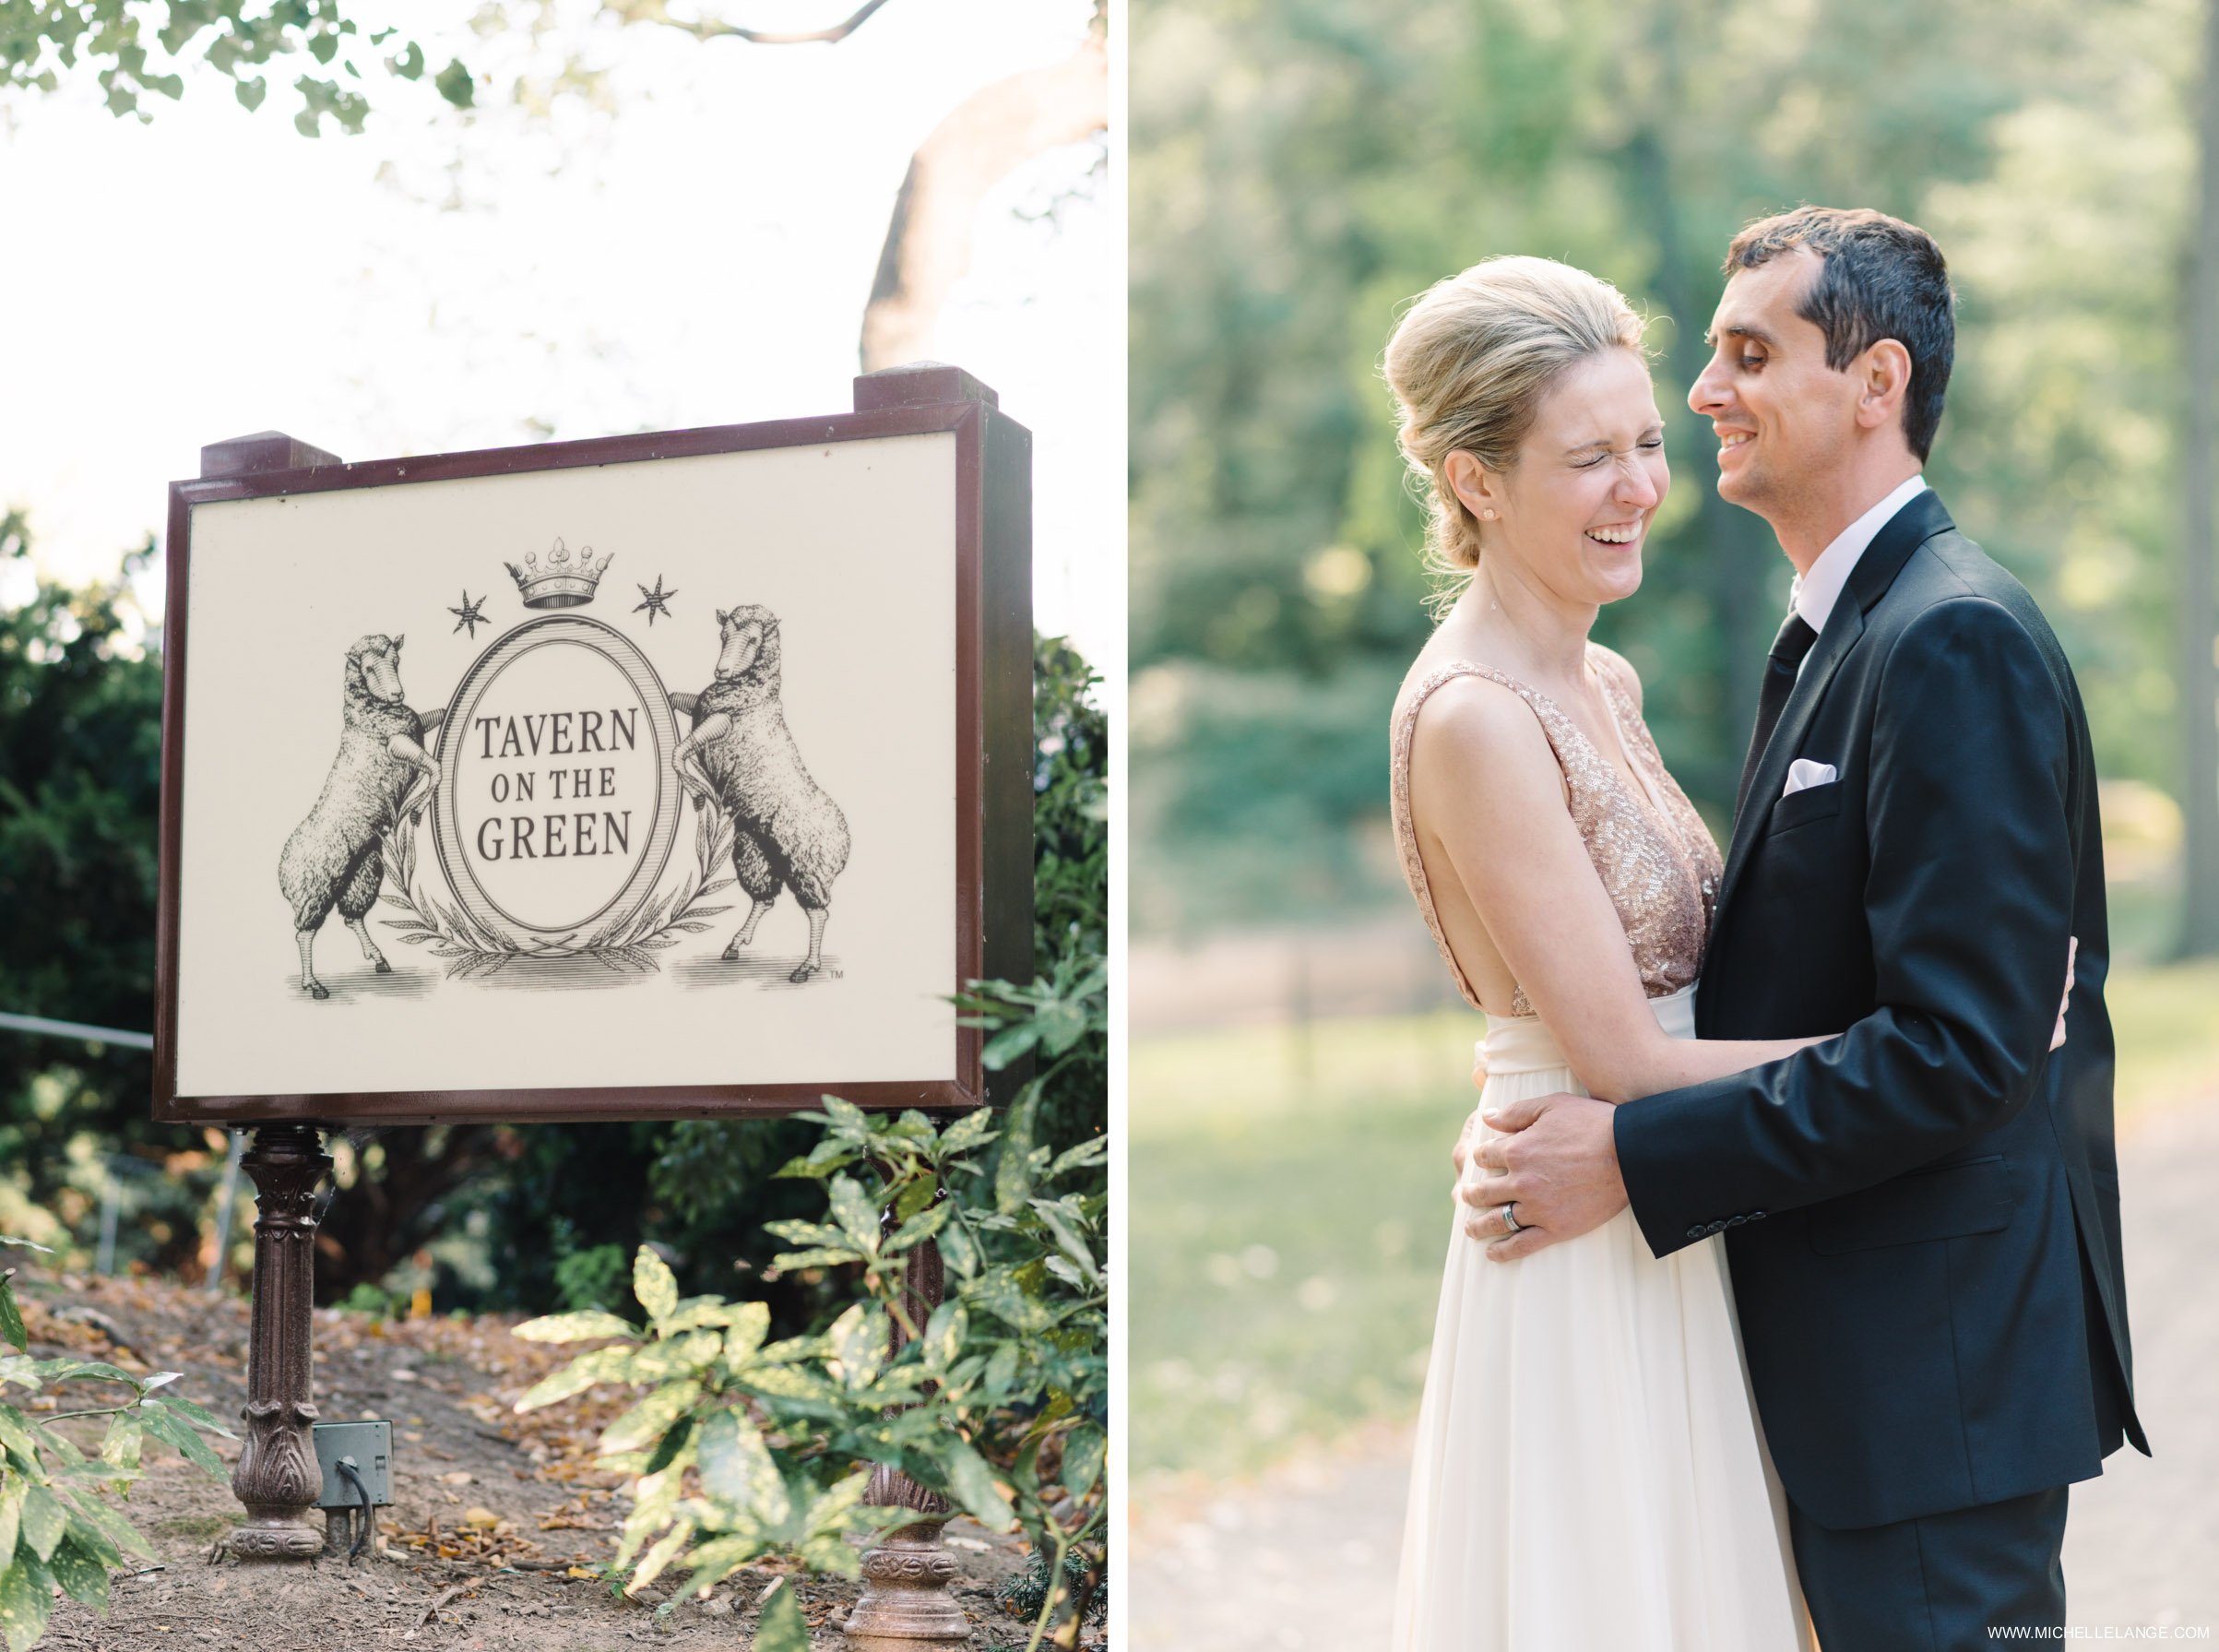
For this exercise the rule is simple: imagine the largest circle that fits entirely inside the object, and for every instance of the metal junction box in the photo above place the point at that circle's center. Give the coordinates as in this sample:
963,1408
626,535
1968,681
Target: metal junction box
371,1447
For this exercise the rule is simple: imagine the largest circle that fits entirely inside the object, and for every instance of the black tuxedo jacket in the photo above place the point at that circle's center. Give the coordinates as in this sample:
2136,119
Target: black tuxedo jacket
1922,1215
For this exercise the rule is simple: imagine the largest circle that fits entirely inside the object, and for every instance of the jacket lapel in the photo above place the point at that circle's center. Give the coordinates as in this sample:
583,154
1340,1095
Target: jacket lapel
1903,533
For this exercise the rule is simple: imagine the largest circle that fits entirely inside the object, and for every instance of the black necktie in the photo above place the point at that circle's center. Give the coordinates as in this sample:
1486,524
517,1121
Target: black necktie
1787,650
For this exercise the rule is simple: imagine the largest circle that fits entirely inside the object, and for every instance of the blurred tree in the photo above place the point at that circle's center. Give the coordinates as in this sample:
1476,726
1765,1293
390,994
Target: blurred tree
79,776
1304,173
2199,668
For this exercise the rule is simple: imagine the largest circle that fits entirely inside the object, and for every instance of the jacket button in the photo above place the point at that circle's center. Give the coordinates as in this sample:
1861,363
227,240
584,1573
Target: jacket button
1756,1216
1695,1232
1735,1222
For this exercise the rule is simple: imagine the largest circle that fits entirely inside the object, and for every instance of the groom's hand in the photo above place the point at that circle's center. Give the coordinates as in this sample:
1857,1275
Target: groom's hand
1557,1165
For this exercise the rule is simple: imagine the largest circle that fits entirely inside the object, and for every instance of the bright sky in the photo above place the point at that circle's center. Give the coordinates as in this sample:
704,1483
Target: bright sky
701,257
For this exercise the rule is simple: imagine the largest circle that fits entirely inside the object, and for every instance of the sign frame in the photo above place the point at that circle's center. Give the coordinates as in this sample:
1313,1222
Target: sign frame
993,757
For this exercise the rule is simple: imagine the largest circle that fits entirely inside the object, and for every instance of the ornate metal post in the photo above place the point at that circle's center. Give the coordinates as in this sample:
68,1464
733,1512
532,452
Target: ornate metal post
277,1477
906,1605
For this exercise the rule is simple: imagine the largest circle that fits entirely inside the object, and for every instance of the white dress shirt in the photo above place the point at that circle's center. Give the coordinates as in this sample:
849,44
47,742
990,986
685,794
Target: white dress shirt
1816,592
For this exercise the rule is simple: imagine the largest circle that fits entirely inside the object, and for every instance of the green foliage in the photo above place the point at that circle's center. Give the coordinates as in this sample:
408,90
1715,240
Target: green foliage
367,1299
1027,1591
593,1277
744,1446
55,1528
1306,175
1060,1018
139,50
80,766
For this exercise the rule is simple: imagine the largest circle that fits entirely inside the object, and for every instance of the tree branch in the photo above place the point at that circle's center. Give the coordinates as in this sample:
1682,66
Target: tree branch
655,11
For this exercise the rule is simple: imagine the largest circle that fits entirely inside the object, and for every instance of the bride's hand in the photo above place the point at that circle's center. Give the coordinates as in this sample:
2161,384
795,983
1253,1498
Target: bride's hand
2072,956
1460,1155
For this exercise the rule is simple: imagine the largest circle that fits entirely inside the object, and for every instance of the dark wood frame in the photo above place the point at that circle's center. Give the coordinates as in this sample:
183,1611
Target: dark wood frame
994,723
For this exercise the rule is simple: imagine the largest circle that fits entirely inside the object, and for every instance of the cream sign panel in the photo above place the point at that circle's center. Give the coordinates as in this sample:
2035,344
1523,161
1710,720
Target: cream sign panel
636,772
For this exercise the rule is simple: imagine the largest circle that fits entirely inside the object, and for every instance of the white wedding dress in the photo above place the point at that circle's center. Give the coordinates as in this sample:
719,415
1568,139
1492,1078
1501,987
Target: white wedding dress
1589,1474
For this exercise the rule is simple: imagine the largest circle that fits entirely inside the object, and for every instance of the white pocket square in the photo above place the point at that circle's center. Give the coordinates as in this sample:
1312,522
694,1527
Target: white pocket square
1803,774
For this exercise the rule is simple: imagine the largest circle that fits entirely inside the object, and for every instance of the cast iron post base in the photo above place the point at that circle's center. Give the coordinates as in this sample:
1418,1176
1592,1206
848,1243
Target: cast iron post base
906,1605
277,1477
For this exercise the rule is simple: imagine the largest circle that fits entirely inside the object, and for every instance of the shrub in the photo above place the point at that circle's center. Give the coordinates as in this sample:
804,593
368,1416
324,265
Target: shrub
55,1528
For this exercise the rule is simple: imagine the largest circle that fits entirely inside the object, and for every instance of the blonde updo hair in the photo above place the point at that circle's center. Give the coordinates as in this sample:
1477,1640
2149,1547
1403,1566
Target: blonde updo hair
1469,364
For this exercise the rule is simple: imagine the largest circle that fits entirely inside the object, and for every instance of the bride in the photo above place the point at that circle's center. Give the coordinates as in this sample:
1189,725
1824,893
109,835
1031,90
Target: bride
1589,1468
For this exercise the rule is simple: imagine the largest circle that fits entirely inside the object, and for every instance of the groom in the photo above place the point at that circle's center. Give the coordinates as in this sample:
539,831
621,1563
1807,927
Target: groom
1921,1215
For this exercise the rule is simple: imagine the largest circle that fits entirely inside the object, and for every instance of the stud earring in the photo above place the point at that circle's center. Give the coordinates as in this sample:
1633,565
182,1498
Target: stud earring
1488,516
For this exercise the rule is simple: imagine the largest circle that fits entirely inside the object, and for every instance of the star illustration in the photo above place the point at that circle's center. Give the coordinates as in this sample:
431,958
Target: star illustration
471,613
655,600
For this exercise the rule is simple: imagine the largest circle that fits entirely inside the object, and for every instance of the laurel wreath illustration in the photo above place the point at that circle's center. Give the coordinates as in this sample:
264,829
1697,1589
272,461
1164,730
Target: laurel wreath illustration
628,945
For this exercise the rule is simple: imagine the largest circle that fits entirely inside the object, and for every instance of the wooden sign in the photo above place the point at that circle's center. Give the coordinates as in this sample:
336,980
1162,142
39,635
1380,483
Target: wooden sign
651,777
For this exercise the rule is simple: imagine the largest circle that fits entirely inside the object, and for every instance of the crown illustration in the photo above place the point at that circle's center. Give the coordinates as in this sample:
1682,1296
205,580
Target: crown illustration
564,580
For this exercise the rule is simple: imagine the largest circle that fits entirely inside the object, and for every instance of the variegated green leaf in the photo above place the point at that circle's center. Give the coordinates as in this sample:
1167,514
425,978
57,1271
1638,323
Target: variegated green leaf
1013,1171
719,1559
829,1514
915,1196
654,1498
737,1467
80,1573
11,1318
27,1600
121,1446
792,1382
13,1436
1084,1453
576,1327
198,1415
852,1210
972,1130
958,1249
1001,1373
654,1284
681,1356
943,1335
174,1430
749,1326
665,1550
12,1487
602,1365
998,1293
858,1342
794,1261
113,1527
45,1519
780,1627
919,1229
703,1312
91,1538
971,1483
647,1420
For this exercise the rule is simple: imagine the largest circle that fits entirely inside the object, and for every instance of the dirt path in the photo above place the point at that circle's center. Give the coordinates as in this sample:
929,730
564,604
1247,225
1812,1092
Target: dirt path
1306,1559
490,1510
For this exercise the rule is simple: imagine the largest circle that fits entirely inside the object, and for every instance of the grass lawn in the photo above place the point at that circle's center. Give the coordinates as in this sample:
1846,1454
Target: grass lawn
1288,1208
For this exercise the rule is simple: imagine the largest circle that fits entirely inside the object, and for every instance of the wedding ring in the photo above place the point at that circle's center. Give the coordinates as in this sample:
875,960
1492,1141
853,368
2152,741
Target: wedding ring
1509,1220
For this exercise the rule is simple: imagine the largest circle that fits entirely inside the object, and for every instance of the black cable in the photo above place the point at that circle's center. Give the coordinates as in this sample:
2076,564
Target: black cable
362,1536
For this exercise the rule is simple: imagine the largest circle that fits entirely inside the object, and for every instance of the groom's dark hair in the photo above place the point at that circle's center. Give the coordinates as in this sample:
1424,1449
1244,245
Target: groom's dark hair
1879,278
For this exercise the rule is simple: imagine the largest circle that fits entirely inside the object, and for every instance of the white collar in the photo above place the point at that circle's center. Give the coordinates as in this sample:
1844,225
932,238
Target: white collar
1816,592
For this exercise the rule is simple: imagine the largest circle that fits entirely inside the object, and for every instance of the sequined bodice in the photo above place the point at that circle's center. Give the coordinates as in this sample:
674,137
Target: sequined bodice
1655,857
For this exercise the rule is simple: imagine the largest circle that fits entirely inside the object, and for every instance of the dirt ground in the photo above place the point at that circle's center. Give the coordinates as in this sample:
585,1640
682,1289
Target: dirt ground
497,1521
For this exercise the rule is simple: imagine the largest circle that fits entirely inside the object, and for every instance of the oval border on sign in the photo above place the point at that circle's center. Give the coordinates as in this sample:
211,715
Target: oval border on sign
446,826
